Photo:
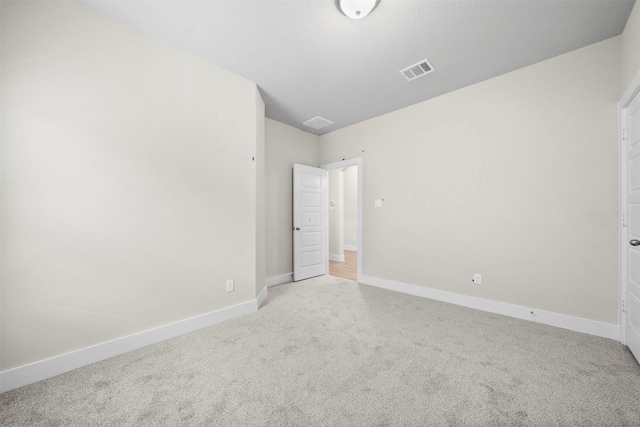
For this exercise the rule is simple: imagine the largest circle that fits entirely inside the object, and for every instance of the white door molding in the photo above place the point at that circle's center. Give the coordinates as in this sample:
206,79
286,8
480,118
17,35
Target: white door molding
345,164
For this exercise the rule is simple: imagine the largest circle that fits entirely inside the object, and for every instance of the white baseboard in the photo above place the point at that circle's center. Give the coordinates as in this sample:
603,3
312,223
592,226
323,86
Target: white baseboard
261,298
578,324
334,257
350,248
278,280
47,368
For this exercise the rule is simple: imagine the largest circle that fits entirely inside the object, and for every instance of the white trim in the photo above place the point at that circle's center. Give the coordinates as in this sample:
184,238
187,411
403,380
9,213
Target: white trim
359,162
578,324
279,280
622,232
47,368
350,248
632,90
334,257
261,297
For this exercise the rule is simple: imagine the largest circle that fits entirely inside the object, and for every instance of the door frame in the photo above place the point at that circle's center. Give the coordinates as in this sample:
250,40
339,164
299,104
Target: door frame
358,161
632,90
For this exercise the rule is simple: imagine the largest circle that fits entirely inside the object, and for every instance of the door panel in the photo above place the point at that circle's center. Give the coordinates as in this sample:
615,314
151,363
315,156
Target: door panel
309,222
634,309
634,226
311,239
311,179
310,219
310,259
309,200
634,178
634,266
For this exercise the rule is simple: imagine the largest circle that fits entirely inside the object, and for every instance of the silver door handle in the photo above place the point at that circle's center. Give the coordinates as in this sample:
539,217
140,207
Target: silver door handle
296,228
634,242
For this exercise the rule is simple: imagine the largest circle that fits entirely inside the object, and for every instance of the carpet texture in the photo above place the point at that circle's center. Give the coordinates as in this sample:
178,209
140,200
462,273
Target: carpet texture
331,352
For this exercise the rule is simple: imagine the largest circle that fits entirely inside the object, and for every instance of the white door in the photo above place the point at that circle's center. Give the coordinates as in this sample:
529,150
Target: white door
310,227
632,303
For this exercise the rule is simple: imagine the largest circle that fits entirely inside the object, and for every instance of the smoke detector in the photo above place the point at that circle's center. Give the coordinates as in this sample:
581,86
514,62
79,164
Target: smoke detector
420,69
317,122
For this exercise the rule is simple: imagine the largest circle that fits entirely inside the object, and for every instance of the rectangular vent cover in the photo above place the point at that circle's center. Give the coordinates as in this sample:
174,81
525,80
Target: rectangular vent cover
317,122
420,69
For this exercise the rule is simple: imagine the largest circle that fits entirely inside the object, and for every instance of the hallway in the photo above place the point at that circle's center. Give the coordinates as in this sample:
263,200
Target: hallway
347,269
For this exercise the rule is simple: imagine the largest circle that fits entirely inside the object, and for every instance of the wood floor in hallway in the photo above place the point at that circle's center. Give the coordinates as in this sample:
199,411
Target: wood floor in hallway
348,269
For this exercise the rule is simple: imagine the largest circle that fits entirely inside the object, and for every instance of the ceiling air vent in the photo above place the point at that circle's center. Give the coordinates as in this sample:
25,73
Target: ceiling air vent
317,122
420,69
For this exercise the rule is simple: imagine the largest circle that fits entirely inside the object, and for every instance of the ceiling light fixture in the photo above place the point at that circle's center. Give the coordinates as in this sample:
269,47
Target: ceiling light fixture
356,9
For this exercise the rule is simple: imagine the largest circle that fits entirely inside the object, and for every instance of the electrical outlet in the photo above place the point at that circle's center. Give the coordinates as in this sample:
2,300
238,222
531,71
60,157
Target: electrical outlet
229,285
477,279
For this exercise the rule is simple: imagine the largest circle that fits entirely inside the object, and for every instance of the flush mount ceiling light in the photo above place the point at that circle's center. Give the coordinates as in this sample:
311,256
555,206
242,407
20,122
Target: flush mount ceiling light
356,9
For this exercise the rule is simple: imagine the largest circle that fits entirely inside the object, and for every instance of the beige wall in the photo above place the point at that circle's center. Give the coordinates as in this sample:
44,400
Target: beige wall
351,206
128,192
125,206
514,178
336,212
630,41
285,145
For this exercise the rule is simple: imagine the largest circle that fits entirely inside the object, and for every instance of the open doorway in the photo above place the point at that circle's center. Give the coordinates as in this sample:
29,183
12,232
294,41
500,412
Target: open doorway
345,218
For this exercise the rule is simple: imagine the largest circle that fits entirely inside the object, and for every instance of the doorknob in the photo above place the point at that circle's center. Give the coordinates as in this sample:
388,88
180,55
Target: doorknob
634,242
296,228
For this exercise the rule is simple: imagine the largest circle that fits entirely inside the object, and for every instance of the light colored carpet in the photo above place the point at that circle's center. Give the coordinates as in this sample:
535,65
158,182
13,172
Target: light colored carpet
330,352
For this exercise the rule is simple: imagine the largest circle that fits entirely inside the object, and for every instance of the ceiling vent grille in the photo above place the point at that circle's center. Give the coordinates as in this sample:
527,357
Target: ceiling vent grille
420,69
317,122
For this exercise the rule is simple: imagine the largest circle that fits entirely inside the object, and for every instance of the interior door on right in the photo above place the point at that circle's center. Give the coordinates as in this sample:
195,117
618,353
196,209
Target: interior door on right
632,327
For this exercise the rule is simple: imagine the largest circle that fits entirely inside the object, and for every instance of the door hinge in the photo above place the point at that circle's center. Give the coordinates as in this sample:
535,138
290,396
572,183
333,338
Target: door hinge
624,134
624,220
624,306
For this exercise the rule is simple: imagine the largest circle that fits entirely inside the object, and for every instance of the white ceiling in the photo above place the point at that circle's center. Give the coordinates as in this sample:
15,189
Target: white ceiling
310,60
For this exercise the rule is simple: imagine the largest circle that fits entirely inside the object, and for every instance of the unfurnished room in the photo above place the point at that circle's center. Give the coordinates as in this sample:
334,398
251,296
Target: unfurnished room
320,213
